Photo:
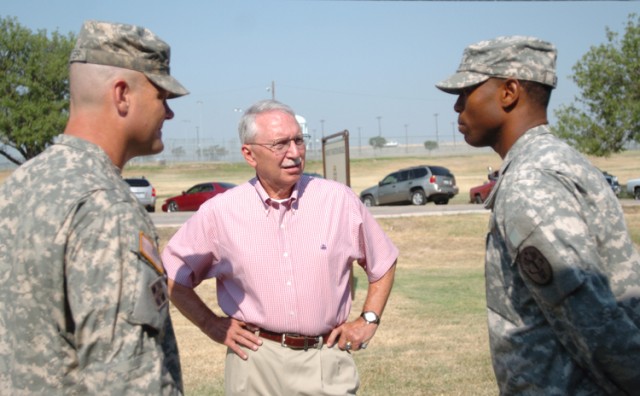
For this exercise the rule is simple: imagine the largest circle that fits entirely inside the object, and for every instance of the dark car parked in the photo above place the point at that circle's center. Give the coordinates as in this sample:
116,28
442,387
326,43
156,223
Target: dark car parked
417,185
191,199
613,182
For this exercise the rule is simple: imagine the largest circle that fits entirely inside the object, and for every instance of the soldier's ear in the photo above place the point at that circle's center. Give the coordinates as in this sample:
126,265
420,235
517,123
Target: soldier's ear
510,91
121,96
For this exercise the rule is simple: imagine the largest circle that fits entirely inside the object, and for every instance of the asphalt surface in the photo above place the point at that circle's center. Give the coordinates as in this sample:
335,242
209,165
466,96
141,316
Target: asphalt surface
176,219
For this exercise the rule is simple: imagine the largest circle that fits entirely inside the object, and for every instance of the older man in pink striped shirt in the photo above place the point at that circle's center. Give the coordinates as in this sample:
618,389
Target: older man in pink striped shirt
281,248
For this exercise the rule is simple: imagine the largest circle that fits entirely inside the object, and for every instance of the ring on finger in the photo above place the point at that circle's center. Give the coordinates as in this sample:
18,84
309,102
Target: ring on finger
364,345
348,346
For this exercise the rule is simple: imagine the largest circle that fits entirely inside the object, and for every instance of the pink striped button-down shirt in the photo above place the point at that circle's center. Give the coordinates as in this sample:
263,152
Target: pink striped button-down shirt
281,266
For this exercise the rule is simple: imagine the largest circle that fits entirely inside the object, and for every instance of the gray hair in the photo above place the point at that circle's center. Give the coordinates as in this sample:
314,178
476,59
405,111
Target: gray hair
247,129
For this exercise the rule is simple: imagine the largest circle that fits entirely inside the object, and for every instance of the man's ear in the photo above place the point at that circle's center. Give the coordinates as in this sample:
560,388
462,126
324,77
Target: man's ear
510,93
247,153
121,96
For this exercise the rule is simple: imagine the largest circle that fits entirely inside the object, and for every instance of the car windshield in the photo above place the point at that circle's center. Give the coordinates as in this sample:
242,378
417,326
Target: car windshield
137,182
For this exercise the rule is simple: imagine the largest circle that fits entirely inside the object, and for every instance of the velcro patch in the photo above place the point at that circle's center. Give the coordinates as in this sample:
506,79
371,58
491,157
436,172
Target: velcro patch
535,265
149,251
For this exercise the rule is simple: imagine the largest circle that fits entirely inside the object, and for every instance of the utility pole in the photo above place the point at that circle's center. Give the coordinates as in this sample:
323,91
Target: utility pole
406,138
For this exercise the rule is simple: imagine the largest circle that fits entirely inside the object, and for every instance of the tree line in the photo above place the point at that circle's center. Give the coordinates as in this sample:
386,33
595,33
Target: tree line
34,104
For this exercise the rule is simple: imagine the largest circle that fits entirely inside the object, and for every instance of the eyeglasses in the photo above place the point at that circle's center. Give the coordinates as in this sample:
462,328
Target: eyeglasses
281,146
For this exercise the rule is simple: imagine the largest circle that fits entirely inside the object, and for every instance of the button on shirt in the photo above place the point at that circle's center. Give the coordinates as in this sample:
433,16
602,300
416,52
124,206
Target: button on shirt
283,266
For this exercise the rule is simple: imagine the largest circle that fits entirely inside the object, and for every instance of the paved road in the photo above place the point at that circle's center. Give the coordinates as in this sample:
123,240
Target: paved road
176,219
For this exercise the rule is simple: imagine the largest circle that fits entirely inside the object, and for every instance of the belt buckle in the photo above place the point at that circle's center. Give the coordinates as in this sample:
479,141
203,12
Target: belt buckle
318,342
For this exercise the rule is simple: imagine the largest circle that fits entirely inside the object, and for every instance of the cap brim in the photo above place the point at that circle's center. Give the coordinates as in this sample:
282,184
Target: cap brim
459,81
169,84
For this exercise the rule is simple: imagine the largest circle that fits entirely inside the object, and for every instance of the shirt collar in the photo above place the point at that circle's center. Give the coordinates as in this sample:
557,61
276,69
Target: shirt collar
268,201
89,148
518,147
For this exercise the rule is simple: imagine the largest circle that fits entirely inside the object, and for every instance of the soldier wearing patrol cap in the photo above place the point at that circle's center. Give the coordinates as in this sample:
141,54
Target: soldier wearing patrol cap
83,301
562,274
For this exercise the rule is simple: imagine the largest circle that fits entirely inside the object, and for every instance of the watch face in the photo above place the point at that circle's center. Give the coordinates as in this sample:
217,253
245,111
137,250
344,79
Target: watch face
370,317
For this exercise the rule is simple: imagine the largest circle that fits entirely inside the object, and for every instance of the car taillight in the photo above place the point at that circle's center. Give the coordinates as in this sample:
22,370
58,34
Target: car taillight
153,191
432,179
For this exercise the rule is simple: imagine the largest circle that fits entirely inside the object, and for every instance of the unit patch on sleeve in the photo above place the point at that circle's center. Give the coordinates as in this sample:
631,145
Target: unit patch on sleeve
535,265
149,251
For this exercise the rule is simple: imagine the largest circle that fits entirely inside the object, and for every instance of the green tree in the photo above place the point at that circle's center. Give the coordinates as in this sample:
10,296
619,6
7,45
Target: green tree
607,115
430,145
377,142
34,104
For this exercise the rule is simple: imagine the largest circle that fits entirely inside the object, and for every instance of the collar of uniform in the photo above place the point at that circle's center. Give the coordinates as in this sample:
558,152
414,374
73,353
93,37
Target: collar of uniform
88,147
514,151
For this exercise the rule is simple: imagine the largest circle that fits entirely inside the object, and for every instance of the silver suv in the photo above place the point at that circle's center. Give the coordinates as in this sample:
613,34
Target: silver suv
144,191
418,185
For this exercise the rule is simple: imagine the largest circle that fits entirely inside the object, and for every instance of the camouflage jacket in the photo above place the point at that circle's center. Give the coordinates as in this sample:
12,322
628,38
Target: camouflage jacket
562,276
83,307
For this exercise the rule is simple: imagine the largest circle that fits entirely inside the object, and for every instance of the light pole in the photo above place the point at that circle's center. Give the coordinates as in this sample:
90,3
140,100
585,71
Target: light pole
359,142
437,139
406,138
272,89
379,126
198,128
322,127
453,131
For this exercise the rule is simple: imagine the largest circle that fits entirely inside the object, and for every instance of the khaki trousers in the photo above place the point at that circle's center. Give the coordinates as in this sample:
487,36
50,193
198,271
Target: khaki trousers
275,370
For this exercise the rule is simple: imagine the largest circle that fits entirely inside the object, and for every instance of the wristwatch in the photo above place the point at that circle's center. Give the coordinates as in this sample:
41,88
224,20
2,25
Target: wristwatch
370,317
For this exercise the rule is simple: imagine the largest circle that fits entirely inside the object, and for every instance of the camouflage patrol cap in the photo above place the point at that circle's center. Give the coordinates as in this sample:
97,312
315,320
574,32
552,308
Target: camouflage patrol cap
129,47
520,57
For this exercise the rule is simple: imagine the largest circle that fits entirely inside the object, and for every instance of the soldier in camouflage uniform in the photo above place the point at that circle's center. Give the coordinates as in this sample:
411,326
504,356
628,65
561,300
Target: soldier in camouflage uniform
562,275
83,303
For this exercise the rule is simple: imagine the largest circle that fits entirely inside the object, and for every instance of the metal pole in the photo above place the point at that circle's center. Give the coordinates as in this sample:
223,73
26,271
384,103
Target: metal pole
406,138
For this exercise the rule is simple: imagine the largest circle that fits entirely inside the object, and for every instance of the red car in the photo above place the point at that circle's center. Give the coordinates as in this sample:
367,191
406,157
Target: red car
195,196
479,194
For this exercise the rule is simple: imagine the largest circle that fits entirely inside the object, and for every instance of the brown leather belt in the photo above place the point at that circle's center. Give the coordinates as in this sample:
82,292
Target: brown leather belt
295,341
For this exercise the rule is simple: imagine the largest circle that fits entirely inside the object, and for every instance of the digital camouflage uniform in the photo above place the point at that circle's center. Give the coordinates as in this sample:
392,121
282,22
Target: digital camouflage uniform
562,276
83,303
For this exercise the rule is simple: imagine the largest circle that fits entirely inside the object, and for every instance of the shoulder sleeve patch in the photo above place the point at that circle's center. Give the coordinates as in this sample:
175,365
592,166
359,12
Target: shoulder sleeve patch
535,265
149,251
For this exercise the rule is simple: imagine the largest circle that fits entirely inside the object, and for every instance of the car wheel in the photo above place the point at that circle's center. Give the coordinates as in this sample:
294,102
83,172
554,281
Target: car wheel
173,207
637,194
478,199
151,209
441,201
368,201
418,197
